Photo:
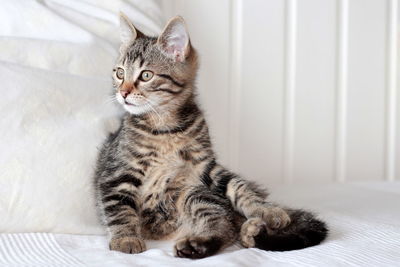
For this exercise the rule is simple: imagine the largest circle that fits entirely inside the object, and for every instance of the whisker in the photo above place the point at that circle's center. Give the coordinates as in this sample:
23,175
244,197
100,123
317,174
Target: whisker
155,111
150,113
111,99
151,105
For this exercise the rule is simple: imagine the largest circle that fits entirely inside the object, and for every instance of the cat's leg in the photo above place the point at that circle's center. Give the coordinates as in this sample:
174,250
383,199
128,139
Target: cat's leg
250,200
266,226
118,203
207,223
247,198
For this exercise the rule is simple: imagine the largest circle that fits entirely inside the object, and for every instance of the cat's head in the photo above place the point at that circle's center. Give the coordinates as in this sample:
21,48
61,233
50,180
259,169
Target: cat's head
154,72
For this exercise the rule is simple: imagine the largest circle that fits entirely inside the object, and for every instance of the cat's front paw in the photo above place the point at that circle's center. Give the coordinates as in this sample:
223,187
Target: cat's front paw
275,217
128,244
197,247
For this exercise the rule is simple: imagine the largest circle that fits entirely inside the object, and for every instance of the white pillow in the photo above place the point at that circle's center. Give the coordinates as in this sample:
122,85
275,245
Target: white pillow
51,125
56,109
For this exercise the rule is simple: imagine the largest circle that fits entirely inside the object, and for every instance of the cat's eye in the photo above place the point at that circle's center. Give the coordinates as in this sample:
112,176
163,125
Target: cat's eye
120,73
146,75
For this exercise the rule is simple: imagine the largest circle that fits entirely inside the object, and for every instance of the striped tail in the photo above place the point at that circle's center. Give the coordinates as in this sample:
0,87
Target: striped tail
303,231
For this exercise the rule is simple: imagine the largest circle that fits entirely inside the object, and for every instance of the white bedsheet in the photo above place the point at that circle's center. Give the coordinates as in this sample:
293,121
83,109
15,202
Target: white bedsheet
364,222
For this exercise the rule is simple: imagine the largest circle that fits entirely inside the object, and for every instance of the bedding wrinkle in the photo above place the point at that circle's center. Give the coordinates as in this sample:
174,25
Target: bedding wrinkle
34,249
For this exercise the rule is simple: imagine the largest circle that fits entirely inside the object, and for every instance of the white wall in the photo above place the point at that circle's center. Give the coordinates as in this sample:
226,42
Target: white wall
300,90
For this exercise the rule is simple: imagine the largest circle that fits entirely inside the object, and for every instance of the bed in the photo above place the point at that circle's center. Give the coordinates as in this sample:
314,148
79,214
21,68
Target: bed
364,222
55,63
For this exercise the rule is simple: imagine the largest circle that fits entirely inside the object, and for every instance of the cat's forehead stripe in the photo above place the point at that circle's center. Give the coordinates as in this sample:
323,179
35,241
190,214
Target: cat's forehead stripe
138,49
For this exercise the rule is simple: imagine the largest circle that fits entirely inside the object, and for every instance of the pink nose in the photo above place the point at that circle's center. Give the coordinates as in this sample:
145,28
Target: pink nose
124,93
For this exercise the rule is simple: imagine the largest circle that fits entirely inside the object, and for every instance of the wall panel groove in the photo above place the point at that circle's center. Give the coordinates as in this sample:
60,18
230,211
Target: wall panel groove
341,90
290,89
235,81
391,90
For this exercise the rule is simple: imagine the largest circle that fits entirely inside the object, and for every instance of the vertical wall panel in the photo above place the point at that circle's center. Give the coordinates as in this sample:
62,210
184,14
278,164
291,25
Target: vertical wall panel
341,94
313,156
235,85
290,41
366,90
397,145
262,90
391,90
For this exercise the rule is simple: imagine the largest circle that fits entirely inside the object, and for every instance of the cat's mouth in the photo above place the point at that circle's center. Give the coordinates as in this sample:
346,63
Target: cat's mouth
130,104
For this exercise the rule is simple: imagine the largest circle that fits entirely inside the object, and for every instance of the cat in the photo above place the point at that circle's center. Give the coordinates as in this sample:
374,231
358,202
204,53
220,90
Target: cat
157,176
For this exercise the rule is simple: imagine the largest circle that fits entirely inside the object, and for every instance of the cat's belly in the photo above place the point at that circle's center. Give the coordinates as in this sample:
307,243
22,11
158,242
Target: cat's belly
160,221
159,214
166,180
160,193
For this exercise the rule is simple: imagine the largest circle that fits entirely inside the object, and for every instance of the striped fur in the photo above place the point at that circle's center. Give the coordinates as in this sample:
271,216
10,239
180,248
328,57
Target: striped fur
157,177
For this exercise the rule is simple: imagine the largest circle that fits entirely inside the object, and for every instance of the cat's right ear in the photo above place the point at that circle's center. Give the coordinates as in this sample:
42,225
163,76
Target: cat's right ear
128,33
174,40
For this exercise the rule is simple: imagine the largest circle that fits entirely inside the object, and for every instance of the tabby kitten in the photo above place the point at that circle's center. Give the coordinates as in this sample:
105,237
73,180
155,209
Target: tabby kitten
157,177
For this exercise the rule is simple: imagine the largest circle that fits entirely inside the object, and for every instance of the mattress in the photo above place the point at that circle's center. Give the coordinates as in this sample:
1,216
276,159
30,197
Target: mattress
364,222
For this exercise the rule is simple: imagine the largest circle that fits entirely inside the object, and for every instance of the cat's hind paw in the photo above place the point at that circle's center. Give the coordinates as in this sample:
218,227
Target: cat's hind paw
197,247
249,230
276,218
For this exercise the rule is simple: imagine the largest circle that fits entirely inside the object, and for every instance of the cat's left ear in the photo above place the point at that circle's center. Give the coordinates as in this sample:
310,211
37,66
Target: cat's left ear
174,40
128,33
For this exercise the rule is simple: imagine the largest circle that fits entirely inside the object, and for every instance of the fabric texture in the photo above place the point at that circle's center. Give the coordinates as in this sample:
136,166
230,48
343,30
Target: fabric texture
56,59
364,222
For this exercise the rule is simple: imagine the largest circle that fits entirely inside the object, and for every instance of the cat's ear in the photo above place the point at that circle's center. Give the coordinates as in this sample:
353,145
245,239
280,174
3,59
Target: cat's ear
174,40
128,33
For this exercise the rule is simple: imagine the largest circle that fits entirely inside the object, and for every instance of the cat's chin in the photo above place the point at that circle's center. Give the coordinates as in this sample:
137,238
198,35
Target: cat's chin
136,109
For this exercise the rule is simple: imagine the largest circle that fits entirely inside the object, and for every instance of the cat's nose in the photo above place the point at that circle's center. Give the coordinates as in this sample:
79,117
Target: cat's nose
124,93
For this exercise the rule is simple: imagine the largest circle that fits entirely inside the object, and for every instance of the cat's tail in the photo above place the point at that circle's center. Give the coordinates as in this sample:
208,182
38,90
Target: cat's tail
305,230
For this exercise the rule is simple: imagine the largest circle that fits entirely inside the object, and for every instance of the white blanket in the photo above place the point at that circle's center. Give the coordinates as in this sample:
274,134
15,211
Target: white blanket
364,222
